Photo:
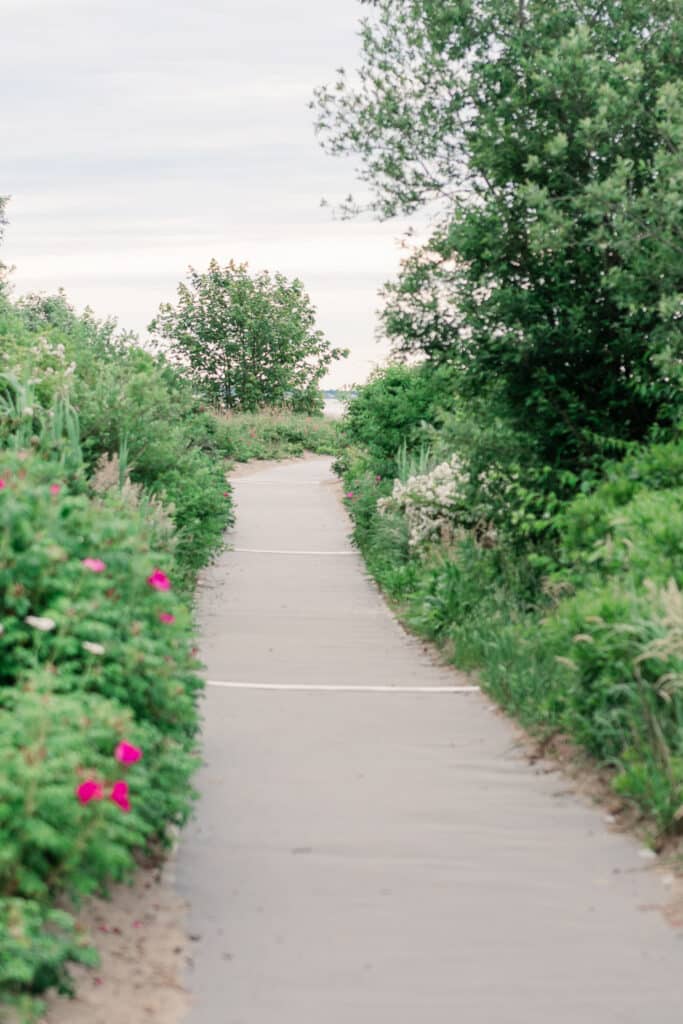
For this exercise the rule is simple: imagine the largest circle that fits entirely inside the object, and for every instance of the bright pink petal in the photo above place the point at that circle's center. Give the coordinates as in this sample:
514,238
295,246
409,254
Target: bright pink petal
89,790
55,488
166,617
2,483
126,753
94,564
159,580
119,795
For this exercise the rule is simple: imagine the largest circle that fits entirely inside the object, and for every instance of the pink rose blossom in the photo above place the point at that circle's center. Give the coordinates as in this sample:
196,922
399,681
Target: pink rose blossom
119,795
349,494
226,494
94,564
166,617
126,753
2,483
55,488
159,580
89,790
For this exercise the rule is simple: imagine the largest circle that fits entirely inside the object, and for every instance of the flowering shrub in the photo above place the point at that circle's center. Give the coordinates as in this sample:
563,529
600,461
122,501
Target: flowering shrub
81,590
112,496
98,686
434,503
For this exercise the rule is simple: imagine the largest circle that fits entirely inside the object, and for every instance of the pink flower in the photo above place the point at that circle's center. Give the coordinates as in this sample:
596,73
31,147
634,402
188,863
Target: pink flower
94,564
2,483
159,580
89,790
166,617
378,478
349,494
55,488
226,494
119,795
126,753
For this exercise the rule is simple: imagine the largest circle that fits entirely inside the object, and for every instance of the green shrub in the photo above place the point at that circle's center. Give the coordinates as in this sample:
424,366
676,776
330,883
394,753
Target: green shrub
36,944
45,539
391,410
127,401
91,654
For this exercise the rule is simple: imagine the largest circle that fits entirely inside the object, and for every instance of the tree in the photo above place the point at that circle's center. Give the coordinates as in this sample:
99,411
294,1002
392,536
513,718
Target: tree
549,135
248,340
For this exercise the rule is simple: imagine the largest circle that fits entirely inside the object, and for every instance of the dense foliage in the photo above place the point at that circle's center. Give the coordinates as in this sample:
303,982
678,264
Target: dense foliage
527,516
112,494
130,404
550,136
248,340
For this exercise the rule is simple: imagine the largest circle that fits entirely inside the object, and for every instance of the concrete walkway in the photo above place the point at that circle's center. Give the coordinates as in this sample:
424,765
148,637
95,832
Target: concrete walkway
387,857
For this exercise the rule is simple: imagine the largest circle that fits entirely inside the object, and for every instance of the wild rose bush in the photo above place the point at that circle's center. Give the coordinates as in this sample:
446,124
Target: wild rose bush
98,690
75,595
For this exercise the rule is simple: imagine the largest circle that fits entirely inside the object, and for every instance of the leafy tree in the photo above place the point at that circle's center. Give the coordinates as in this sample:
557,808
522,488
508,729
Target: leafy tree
247,340
549,134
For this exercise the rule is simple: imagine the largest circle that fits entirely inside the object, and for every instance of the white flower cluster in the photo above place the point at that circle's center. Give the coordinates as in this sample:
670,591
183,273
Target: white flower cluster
50,353
430,502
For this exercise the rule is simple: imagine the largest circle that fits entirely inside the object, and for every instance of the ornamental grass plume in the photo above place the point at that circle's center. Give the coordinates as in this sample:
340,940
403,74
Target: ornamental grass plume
159,580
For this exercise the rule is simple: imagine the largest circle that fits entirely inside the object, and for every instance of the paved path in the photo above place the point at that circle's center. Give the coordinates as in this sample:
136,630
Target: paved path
387,858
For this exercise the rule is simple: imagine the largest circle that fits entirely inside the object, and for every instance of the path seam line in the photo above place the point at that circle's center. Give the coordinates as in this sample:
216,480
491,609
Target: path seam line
340,688
285,551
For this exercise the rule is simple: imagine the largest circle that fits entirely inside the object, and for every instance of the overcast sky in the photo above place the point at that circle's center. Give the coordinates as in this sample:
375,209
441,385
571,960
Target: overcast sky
139,138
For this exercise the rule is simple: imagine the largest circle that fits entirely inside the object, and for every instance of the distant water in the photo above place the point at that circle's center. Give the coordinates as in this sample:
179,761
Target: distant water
334,409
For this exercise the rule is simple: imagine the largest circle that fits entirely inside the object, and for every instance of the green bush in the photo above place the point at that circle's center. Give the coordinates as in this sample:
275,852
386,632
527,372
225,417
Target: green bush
36,944
46,540
96,647
391,411
127,401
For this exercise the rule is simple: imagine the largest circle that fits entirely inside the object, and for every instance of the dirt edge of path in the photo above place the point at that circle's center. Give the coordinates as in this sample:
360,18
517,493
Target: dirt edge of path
141,937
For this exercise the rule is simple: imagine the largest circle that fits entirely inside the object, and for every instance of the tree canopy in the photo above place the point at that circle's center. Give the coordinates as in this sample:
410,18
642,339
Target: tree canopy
548,136
248,340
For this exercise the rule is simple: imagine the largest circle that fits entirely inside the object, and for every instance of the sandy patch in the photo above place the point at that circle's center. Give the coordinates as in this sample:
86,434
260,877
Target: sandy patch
141,939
